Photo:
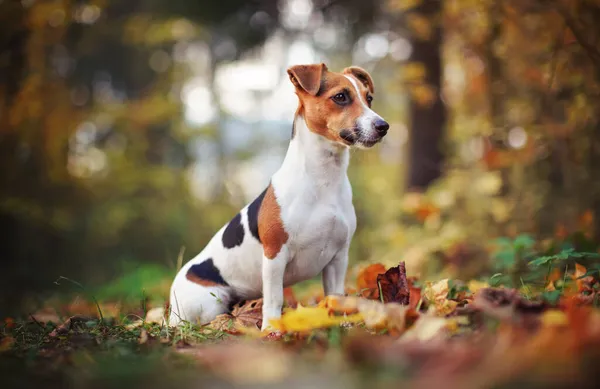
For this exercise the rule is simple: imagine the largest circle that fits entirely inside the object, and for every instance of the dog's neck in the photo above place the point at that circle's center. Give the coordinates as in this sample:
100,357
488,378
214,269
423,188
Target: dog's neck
312,155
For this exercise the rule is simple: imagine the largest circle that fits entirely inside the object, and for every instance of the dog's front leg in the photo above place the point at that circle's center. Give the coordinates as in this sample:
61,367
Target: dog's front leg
334,273
272,276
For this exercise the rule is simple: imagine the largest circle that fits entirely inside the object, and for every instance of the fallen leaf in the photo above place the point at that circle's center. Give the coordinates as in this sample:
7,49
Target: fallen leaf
375,314
426,328
244,314
437,295
310,318
156,316
366,281
583,283
554,317
69,324
289,297
394,286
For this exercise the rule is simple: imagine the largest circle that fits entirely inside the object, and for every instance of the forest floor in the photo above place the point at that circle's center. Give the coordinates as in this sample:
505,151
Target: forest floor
536,328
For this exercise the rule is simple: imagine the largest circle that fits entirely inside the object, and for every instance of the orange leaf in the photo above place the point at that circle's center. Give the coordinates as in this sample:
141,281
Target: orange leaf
289,297
366,281
582,283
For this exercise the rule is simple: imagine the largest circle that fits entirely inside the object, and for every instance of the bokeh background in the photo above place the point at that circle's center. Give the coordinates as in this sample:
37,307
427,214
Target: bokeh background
132,130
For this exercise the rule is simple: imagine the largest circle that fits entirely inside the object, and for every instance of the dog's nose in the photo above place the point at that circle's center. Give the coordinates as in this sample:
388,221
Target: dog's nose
381,126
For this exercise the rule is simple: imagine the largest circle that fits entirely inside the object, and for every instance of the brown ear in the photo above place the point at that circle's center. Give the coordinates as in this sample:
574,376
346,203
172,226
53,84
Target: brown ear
362,75
307,77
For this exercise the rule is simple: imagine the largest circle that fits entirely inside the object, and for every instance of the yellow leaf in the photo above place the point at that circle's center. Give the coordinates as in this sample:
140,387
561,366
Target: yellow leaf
310,318
437,294
436,291
554,317
475,286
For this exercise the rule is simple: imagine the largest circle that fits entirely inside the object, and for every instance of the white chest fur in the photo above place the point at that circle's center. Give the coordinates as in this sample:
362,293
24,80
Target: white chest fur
315,195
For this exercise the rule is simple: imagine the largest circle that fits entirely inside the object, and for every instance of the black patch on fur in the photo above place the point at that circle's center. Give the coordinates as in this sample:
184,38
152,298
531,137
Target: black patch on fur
234,232
293,129
207,271
253,214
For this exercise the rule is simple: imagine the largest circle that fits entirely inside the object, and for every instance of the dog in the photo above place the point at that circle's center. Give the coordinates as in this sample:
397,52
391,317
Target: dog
302,223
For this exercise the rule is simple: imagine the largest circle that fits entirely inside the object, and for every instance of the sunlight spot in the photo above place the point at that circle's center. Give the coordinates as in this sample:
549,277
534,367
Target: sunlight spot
295,14
517,138
376,45
196,96
87,14
400,49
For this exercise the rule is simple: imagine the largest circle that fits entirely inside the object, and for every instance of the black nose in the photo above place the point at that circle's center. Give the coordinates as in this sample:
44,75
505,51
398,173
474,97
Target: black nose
381,126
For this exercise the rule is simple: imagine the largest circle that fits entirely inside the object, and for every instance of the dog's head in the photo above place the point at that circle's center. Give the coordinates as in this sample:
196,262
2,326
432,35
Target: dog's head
337,106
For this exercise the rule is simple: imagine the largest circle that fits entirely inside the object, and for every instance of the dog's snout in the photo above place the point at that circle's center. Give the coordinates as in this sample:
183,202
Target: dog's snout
381,126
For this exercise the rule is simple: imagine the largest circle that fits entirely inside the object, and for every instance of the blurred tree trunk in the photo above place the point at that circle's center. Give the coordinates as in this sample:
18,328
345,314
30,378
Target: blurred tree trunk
427,111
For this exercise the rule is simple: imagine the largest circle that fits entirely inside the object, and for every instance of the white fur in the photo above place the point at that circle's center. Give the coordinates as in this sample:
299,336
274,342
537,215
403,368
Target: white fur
368,118
314,193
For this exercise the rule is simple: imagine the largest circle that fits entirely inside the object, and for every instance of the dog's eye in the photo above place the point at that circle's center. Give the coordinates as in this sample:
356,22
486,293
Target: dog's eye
340,98
369,99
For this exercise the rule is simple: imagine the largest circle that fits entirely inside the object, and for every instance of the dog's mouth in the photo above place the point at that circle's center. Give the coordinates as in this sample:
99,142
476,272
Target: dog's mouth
370,142
353,137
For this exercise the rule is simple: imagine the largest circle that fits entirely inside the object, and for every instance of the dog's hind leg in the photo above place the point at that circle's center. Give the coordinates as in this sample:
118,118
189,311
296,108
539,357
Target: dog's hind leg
197,304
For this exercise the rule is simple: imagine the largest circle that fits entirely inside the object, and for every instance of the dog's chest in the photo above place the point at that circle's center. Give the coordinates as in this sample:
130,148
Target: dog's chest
318,227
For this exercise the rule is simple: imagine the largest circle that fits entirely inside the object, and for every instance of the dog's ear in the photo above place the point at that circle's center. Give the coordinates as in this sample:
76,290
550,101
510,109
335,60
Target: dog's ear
362,75
307,77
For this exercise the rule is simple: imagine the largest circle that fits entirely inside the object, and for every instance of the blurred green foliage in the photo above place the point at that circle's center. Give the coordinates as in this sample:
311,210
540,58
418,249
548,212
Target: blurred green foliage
97,156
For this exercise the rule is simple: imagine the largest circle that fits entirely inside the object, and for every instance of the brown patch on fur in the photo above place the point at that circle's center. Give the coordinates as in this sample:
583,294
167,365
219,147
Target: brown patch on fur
270,226
323,116
307,77
200,281
362,76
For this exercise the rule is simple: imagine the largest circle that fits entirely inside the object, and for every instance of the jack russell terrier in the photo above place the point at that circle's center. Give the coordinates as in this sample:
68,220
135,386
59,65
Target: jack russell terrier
302,224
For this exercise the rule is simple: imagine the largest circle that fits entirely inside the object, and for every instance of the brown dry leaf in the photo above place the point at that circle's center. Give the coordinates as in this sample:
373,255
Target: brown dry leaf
244,314
366,281
69,324
394,286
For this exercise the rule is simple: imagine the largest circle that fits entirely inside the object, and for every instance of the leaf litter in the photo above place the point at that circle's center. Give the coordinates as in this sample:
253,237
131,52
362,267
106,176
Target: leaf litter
443,333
